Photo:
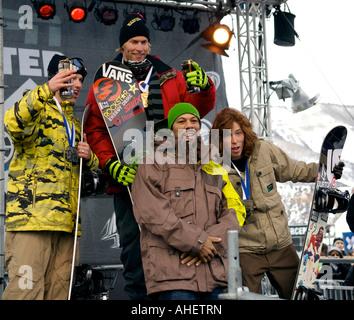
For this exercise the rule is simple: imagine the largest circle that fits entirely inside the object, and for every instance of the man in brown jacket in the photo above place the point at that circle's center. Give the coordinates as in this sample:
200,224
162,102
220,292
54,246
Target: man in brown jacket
185,211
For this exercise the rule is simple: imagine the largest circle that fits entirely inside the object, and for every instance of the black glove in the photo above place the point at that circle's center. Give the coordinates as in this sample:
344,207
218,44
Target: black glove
338,170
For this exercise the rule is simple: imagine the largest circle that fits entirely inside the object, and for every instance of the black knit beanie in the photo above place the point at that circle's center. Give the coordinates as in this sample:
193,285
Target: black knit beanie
133,26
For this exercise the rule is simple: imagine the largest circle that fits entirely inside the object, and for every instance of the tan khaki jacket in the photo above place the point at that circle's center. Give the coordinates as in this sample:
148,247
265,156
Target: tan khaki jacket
266,227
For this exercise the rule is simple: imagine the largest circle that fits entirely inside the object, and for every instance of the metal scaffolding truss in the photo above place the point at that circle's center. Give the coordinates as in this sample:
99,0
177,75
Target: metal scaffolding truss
253,68
254,88
203,5
210,5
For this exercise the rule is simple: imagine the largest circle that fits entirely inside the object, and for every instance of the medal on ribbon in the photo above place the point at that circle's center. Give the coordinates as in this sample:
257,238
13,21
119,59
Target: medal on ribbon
144,88
71,152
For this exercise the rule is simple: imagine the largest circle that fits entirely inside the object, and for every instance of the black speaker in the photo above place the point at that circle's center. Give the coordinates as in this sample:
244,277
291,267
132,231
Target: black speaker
284,33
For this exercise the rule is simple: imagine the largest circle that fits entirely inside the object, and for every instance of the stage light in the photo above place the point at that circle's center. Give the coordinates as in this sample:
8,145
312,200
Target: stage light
164,22
46,9
106,15
290,87
220,37
190,24
77,11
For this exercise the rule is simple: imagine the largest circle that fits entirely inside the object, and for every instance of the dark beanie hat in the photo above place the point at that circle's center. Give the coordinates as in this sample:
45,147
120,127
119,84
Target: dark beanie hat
77,63
134,25
53,65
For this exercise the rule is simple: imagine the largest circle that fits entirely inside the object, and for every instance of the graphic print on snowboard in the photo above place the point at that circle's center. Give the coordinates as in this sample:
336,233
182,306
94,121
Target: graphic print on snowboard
119,100
326,199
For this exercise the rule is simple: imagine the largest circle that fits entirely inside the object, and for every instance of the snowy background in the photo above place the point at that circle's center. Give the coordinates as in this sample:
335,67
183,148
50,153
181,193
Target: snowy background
300,135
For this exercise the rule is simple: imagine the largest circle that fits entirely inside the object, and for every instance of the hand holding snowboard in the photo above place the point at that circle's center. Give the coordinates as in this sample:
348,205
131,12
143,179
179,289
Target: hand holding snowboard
124,175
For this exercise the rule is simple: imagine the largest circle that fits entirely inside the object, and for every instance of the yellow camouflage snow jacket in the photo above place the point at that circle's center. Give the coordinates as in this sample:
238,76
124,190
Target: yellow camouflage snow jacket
42,190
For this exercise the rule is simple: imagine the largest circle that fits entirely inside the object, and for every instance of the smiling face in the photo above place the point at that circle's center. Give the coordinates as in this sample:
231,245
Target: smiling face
236,141
186,126
136,49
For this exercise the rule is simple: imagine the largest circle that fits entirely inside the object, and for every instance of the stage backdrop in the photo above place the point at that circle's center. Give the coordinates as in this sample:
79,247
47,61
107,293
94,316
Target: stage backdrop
29,44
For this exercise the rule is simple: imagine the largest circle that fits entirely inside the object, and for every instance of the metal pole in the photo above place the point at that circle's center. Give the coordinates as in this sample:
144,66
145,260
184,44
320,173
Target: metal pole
337,260
233,266
2,156
267,107
235,289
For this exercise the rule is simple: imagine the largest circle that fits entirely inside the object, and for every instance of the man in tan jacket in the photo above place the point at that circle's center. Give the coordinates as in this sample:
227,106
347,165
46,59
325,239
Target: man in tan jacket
265,242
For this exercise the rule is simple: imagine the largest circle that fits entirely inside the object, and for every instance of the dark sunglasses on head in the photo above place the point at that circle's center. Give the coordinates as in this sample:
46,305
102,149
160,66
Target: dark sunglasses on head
78,63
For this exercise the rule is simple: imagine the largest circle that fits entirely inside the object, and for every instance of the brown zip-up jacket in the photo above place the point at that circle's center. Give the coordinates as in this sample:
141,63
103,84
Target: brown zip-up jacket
177,206
266,227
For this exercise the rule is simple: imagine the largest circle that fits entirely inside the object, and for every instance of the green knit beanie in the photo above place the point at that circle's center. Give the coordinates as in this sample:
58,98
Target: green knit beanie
179,109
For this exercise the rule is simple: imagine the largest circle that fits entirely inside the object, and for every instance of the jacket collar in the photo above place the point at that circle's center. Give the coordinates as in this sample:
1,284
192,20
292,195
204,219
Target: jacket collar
255,152
164,71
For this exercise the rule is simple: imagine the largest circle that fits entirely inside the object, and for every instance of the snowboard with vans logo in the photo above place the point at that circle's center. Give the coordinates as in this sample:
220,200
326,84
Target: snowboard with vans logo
326,199
119,100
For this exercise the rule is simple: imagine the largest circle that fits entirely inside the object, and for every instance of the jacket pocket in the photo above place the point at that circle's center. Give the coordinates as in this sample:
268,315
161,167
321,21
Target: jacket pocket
218,268
269,196
267,180
280,223
214,199
251,235
30,189
43,184
165,265
181,196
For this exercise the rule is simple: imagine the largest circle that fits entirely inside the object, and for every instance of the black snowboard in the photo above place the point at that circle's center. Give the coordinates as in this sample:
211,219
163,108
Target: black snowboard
326,199
118,97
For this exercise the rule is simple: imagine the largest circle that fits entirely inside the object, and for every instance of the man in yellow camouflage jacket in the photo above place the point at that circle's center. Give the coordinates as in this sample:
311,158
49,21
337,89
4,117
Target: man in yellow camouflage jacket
43,186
